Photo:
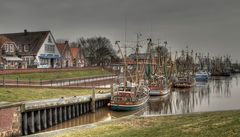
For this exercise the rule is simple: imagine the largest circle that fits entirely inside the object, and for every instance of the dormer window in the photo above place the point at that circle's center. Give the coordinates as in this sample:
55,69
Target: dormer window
8,48
49,39
26,48
11,48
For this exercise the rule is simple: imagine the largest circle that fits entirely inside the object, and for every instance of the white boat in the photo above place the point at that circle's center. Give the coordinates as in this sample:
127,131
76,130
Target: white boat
129,97
202,76
158,87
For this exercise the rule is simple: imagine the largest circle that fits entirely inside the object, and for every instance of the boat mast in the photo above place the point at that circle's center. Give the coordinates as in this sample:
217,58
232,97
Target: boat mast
164,59
125,55
137,55
159,57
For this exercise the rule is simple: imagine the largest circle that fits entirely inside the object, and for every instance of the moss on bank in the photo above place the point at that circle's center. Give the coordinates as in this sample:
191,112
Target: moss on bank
25,94
211,124
56,75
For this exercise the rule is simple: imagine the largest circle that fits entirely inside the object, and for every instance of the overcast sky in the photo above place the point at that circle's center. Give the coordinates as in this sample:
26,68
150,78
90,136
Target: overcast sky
204,25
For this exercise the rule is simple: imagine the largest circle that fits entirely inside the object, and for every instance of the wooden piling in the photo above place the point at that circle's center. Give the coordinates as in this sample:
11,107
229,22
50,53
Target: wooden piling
93,101
60,114
38,119
44,118
65,113
25,124
32,128
50,117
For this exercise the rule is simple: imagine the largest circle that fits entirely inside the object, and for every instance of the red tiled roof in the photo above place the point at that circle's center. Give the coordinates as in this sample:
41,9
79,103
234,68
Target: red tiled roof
4,39
75,52
61,47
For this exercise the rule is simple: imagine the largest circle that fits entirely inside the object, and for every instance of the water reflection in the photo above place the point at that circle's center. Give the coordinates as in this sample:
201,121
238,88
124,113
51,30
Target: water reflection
102,114
219,93
199,98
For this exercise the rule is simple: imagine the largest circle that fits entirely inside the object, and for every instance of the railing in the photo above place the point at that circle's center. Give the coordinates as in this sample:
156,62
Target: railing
102,81
40,70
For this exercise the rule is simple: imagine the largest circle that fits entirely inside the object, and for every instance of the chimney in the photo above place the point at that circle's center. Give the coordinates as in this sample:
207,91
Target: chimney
66,42
25,32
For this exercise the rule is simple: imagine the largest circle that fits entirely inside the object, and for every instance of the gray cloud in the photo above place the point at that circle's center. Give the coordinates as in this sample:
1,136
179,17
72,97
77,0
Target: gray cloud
204,25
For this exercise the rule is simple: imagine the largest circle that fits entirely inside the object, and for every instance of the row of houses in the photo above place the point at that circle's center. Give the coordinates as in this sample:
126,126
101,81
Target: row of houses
37,50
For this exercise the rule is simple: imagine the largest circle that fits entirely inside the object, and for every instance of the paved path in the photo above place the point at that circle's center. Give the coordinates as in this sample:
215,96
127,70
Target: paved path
74,82
64,83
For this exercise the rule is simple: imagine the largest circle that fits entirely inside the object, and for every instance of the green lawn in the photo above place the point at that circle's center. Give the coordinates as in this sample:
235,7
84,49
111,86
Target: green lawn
56,75
211,124
24,94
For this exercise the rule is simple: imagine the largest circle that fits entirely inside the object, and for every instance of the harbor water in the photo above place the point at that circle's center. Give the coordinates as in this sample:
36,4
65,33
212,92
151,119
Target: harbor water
219,93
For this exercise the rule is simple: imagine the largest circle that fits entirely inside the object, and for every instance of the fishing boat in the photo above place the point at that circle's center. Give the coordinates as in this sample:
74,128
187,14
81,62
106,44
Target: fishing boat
184,82
130,97
157,82
202,76
221,66
158,87
185,68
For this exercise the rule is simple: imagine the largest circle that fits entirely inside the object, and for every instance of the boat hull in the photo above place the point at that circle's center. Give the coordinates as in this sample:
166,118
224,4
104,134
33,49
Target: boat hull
183,85
125,107
221,74
201,78
159,92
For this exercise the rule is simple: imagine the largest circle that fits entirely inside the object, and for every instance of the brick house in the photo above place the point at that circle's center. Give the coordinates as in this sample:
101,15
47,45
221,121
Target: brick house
66,59
78,57
36,49
8,54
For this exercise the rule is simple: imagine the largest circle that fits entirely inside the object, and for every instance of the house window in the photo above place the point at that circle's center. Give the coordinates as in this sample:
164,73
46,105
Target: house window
26,48
28,60
49,48
6,48
49,39
11,47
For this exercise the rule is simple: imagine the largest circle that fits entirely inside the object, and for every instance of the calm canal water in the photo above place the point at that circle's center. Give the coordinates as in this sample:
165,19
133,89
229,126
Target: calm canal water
219,93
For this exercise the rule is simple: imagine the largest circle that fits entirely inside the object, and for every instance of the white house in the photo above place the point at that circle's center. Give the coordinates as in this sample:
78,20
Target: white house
37,49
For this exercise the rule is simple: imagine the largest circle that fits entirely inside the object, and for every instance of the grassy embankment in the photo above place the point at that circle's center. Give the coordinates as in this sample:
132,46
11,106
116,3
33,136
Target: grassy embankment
211,124
56,75
25,94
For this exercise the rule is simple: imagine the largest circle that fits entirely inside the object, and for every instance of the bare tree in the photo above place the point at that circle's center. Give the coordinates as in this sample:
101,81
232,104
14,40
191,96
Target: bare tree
98,50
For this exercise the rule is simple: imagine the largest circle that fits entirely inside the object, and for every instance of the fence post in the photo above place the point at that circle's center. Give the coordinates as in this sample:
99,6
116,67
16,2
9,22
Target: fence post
112,92
29,82
84,82
69,82
3,80
51,83
40,82
17,81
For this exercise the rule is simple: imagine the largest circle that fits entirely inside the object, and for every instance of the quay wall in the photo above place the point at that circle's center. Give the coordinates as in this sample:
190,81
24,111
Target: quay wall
33,116
10,120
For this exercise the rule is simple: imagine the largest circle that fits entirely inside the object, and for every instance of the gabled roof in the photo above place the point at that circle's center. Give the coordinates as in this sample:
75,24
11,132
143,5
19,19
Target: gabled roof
75,52
61,47
33,39
4,39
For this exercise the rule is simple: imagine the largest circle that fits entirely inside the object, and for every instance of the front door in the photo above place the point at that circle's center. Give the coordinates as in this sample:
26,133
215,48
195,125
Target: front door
66,63
52,63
